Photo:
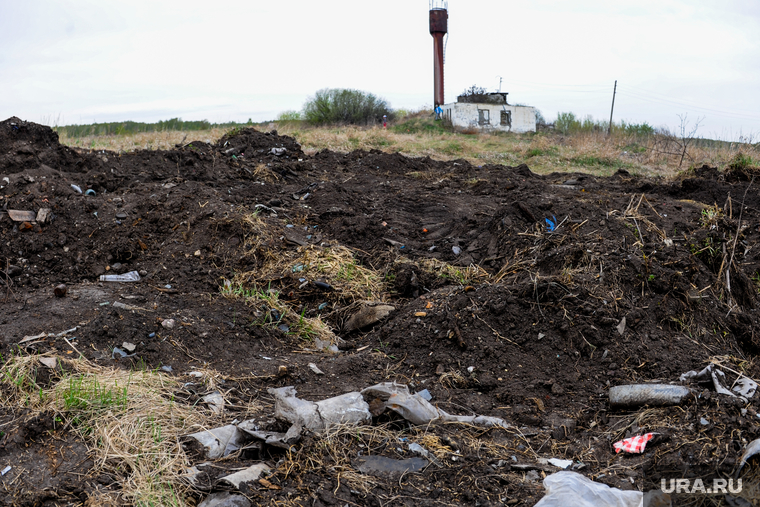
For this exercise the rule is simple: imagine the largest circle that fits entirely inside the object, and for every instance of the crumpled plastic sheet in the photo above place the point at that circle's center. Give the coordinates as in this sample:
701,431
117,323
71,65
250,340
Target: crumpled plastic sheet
566,489
349,408
745,387
417,410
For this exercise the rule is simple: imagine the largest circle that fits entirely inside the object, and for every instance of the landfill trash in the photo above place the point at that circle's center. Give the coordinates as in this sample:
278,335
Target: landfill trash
349,408
551,225
60,290
322,306
326,345
42,215
225,499
22,216
425,394
89,191
167,323
129,347
117,350
456,250
167,368
745,388
315,369
278,151
561,463
76,188
220,442
152,335
5,470
752,449
215,402
380,465
565,489
367,315
252,473
50,362
322,285
417,410
26,339
283,327
132,276
633,445
636,395
621,326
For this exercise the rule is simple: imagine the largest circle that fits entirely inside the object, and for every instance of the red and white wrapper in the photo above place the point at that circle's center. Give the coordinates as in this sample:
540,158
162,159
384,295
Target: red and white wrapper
633,445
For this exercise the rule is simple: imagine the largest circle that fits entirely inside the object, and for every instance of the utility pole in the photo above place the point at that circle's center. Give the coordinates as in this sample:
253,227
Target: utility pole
609,131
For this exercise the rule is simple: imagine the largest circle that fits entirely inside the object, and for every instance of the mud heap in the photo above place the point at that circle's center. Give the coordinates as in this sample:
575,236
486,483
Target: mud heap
506,293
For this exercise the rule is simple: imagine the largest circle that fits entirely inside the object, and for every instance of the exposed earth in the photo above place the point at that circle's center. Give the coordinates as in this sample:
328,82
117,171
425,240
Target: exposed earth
516,295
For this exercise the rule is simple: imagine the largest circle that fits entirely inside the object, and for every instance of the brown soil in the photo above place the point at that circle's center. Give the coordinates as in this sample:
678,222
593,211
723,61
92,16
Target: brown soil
534,340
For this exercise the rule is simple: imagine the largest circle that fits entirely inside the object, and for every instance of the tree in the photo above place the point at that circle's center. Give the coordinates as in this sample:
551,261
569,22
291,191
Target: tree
345,106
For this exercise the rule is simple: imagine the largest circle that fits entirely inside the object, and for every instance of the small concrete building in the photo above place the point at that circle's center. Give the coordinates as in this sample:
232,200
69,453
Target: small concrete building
489,112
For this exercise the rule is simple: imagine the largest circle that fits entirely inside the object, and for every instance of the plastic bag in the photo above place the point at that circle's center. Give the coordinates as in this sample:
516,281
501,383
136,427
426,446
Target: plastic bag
570,489
132,276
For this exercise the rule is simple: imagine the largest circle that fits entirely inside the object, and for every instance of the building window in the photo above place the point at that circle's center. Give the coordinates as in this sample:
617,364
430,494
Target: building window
506,118
484,117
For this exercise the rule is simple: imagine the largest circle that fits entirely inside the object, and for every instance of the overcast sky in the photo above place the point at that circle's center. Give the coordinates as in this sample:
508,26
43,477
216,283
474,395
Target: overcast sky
83,61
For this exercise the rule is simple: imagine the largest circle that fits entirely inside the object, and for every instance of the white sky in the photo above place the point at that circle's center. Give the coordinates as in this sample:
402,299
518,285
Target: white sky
80,61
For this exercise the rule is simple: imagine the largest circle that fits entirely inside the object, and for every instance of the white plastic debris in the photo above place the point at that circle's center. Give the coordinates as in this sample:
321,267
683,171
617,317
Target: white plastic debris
215,402
745,387
219,442
132,276
417,410
167,323
561,463
316,369
128,346
752,449
349,408
5,470
251,473
50,362
565,489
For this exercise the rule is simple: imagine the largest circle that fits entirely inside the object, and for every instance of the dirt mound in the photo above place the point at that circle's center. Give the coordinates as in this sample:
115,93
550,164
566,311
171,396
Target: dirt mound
512,294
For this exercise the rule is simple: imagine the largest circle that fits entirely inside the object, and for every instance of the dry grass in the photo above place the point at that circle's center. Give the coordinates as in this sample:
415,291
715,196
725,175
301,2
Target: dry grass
590,152
128,419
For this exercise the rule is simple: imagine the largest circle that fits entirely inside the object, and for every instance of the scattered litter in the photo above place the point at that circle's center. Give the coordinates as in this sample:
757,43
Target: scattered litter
367,315
425,394
315,369
621,326
196,374
129,347
89,191
215,402
322,285
5,470
220,442
121,353
572,488
416,409
283,327
119,304
456,250
551,225
48,335
22,216
152,335
76,188
132,276
703,421
252,473
167,323
633,445
745,388
418,449
380,465
278,151
636,395
349,408
752,449
167,368
322,306
225,499
561,463
50,362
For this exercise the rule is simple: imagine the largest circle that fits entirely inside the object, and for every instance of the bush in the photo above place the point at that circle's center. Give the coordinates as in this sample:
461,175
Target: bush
289,116
344,106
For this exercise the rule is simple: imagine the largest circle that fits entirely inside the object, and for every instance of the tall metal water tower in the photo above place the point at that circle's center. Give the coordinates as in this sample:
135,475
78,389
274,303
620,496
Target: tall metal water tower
439,23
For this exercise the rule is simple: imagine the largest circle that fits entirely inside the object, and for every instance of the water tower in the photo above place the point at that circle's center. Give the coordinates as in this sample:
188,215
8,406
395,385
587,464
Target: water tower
439,22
